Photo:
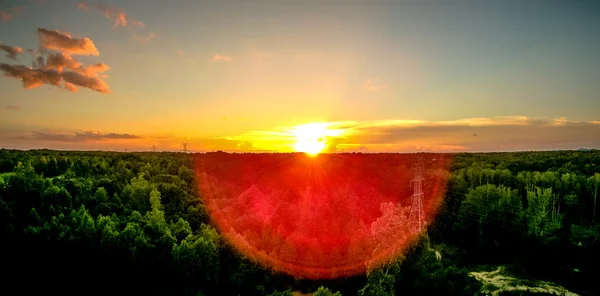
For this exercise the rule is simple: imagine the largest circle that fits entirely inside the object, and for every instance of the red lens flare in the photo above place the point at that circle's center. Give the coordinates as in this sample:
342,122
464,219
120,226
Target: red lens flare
320,217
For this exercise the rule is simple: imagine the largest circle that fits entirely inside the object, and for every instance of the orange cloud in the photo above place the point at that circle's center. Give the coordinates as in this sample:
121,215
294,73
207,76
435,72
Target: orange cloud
117,15
93,83
59,41
218,57
62,60
70,87
59,69
11,51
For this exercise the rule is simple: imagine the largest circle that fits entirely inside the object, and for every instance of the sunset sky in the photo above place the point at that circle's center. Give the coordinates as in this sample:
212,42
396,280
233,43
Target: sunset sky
382,76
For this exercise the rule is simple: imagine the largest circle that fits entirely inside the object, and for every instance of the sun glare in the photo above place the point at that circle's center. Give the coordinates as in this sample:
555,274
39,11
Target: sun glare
312,138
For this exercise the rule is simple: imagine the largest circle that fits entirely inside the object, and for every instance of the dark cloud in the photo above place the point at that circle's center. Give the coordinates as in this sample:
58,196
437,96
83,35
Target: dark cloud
13,108
30,77
63,42
11,51
76,137
474,135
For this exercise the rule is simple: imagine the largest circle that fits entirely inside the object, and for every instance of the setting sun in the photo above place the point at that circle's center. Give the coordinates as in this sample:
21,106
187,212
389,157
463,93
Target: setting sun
311,138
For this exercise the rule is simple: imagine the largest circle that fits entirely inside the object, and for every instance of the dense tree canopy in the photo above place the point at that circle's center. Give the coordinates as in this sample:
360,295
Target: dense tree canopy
134,223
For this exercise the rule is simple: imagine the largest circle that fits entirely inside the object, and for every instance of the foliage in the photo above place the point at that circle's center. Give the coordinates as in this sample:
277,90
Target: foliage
135,223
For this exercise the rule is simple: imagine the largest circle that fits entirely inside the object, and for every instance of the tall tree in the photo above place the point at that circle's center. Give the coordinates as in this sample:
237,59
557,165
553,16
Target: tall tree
593,184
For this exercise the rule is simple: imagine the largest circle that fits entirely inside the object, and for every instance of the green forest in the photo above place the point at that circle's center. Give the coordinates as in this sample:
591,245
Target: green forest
92,223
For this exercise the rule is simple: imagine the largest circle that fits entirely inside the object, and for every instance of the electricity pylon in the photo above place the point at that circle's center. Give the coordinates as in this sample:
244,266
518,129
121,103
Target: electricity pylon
417,215
184,145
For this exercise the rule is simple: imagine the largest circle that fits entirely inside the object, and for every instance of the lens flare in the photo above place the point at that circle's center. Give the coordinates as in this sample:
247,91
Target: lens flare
318,218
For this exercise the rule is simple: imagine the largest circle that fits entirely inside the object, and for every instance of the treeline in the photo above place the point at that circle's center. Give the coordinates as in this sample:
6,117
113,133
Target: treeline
96,222
535,210
134,223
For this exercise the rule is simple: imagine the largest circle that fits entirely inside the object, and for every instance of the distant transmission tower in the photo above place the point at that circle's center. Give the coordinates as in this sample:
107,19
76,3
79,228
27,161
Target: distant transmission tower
184,145
153,148
417,215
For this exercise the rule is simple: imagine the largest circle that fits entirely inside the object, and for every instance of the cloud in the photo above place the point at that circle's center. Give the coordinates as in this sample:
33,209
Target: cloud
60,61
218,57
7,14
85,136
144,39
70,87
31,77
373,86
4,16
59,68
13,108
63,42
11,51
117,15
93,83
492,134
36,77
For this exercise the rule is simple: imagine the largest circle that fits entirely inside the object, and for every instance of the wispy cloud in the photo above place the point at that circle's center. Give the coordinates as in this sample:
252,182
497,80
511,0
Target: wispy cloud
60,68
144,38
11,51
7,14
219,57
493,134
13,108
516,133
85,136
116,15
372,85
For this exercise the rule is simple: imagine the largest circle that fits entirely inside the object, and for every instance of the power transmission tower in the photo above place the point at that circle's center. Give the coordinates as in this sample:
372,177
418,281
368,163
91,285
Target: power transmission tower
153,148
184,145
417,215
